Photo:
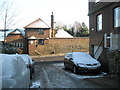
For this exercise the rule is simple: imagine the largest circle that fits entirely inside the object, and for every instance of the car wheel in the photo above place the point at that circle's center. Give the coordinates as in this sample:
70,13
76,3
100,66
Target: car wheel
74,70
65,66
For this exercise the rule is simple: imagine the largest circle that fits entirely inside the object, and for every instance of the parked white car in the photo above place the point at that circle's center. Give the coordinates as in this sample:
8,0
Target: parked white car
14,72
81,62
28,62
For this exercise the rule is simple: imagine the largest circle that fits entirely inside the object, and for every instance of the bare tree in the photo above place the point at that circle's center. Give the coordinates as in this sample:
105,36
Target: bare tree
77,25
8,14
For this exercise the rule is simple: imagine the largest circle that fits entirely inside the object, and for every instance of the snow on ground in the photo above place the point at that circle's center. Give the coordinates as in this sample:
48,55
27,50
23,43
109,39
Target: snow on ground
81,76
35,84
87,76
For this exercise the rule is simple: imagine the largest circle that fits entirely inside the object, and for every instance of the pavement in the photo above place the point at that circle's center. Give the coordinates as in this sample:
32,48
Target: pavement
47,58
52,55
110,81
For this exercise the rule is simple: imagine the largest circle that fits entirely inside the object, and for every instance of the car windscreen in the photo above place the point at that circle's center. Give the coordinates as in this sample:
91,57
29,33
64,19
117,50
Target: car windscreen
81,57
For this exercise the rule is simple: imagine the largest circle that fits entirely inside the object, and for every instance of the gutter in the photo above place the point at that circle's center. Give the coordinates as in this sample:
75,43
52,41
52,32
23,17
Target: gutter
99,6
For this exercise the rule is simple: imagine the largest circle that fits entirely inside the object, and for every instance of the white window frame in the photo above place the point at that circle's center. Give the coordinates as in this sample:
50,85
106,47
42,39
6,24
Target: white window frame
20,45
14,44
99,22
96,1
117,17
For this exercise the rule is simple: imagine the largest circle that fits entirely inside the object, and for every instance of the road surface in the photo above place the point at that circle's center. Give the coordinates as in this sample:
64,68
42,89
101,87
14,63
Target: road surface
53,75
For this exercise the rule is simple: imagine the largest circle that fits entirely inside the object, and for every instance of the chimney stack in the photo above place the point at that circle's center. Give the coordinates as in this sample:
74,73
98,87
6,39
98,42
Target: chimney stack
52,25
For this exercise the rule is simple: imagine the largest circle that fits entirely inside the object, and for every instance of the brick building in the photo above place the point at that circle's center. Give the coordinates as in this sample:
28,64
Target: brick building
41,41
61,46
17,39
104,19
37,33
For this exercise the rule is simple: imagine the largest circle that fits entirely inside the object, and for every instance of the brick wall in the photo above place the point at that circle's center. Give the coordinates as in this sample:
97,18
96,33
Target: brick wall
18,38
107,23
114,62
60,45
35,32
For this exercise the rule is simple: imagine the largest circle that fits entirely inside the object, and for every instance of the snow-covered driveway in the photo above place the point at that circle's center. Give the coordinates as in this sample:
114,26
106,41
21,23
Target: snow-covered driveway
53,75
80,75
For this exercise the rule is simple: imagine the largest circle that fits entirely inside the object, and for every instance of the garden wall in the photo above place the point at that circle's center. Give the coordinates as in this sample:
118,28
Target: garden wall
60,45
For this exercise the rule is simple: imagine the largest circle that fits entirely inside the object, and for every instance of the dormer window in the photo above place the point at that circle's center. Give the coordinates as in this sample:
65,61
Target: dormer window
41,31
117,17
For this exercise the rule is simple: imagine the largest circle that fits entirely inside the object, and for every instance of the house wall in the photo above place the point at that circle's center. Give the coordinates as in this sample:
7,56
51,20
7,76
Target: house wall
97,37
108,26
1,47
59,45
17,38
35,32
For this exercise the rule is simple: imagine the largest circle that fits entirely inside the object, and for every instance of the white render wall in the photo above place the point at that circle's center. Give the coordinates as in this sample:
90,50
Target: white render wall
115,42
98,53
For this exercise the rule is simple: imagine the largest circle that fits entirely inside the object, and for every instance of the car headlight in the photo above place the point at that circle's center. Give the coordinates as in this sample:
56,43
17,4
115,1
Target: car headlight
98,64
81,64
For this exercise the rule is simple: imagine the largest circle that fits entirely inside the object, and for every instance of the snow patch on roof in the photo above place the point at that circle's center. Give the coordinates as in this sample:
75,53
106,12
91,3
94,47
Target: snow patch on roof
20,31
63,34
32,37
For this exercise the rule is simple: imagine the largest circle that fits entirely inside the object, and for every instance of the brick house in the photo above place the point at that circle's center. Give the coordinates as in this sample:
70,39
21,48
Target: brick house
37,33
41,40
17,39
104,19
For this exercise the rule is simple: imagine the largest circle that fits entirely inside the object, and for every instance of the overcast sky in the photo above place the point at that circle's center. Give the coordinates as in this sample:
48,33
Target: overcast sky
65,11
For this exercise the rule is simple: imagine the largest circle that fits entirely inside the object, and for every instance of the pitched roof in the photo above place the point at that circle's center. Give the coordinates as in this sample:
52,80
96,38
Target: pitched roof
9,31
17,31
32,37
39,23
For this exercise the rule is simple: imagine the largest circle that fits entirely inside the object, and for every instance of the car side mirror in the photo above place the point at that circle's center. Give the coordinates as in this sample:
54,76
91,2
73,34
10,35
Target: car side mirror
70,59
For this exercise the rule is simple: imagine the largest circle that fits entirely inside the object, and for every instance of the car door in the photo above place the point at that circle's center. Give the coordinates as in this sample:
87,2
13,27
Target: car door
66,60
71,63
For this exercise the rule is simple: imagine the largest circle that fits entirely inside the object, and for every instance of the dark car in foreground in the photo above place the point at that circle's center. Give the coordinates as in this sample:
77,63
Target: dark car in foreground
80,62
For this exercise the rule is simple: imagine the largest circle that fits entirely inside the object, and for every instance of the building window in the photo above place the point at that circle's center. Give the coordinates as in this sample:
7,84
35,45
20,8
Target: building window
18,45
99,22
41,41
117,17
11,44
14,44
41,31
